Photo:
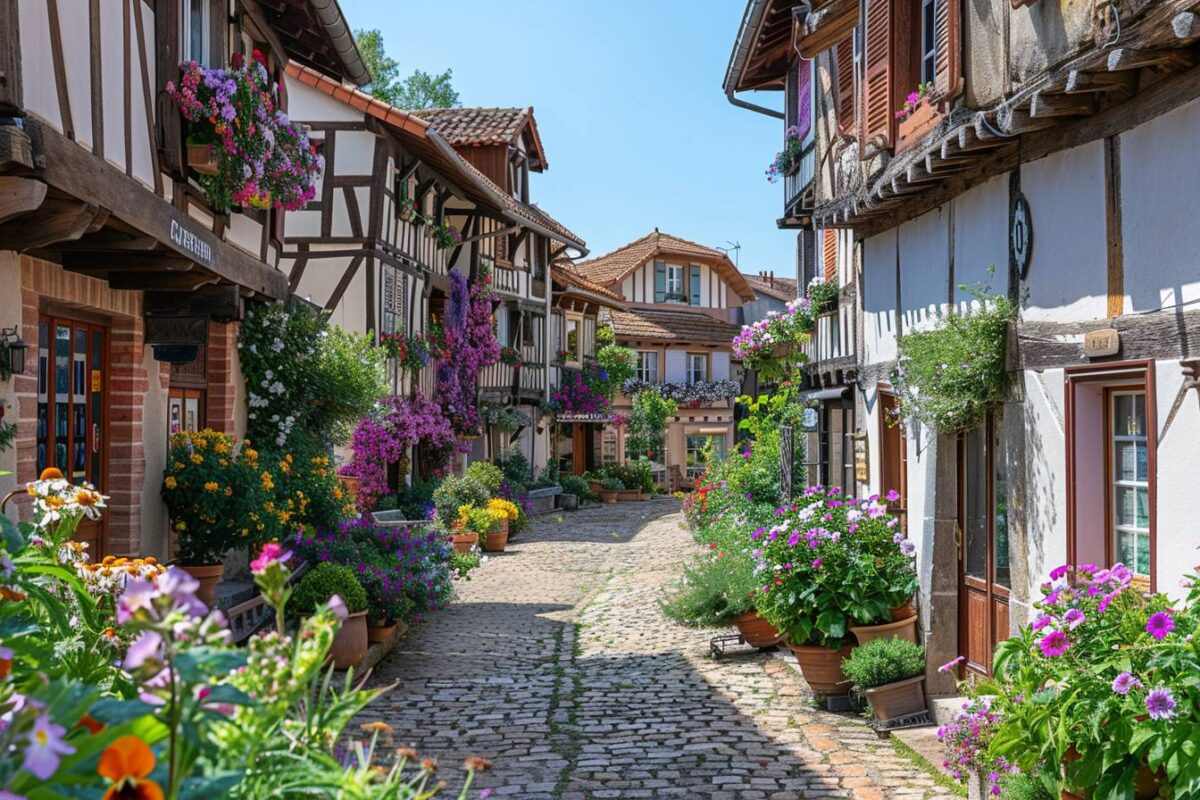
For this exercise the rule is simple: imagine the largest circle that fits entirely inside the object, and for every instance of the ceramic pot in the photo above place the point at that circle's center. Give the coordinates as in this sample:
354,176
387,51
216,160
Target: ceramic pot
200,159
463,542
757,631
496,540
350,643
610,495
822,667
898,699
904,611
905,629
381,631
209,575
569,502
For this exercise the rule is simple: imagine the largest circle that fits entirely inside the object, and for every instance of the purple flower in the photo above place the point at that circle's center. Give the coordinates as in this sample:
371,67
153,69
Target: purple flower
754,537
1159,625
1160,704
47,747
143,649
1054,644
338,607
1059,572
1074,618
892,495
908,548
1124,683
949,665
794,539
138,595
816,564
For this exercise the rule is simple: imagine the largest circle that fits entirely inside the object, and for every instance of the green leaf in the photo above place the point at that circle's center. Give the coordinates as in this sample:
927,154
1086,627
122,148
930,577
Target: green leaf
204,788
112,711
14,542
832,623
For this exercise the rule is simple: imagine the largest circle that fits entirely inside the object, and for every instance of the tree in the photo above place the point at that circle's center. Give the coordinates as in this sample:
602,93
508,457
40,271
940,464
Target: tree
419,90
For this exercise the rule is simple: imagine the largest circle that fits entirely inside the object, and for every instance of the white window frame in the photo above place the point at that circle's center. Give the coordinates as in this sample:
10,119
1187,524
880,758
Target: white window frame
644,370
694,375
674,284
205,33
1136,486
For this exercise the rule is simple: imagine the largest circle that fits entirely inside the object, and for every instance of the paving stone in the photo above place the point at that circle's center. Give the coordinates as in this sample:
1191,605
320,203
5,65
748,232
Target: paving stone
555,663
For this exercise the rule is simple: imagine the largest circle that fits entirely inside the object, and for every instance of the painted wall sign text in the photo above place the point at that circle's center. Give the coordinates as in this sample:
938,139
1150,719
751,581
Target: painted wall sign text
191,243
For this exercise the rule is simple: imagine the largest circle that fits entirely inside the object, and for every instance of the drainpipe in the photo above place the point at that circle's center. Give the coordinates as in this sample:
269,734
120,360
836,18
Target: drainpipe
751,19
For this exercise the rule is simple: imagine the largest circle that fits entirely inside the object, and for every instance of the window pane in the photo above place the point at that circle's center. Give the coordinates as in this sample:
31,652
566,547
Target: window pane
1133,506
695,286
975,525
1002,573
196,14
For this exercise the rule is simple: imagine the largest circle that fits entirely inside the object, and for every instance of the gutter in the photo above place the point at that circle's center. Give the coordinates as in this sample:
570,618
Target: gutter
331,18
751,20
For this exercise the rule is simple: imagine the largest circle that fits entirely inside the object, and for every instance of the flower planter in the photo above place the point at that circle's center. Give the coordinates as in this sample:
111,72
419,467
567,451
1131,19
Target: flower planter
822,667
1146,784
905,629
541,501
922,120
568,502
757,631
406,213
898,699
463,542
209,575
385,632
200,159
610,495
495,540
629,494
350,483
904,611
350,643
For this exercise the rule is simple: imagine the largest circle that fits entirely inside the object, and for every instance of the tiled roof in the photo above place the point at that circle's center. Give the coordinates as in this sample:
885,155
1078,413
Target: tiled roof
566,275
773,286
664,325
610,268
475,126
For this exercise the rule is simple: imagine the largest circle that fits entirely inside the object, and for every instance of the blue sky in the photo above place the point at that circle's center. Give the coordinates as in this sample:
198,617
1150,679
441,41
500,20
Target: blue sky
628,100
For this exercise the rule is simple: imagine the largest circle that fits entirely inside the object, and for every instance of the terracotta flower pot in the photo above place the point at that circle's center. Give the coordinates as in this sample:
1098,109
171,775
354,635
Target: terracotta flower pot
629,494
610,495
898,699
904,611
905,629
351,484
463,542
350,643
496,540
209,575
200,159
822,667
757,631
385,632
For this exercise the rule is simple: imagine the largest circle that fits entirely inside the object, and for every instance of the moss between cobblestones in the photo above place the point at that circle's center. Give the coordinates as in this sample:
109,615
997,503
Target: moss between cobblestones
941,779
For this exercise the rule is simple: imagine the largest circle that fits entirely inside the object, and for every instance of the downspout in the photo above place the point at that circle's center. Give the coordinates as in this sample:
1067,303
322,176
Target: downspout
750,22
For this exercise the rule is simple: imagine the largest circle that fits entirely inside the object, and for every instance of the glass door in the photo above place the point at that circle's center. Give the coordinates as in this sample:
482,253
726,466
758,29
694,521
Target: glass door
72,361
1129,482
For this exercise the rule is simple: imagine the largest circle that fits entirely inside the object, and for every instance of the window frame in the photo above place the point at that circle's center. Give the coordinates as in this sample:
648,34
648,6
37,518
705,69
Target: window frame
720,447
205,32
927,41
643,373
1112,484
689,372
674,286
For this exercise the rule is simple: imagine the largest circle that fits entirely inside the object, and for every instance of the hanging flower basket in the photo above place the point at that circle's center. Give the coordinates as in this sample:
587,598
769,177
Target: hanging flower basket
200,159
407,210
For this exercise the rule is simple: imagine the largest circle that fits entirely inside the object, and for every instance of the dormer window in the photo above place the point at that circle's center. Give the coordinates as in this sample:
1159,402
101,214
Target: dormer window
196,31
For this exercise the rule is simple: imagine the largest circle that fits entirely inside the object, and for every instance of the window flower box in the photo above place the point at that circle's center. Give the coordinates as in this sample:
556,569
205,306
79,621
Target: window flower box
200,159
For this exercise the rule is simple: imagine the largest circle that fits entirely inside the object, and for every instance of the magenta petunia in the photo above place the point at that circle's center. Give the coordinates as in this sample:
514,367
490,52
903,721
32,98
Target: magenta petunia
1159,625
1074,618
1160,704
1054,644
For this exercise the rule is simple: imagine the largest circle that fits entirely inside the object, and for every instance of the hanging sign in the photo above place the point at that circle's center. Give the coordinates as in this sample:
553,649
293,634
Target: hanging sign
1021,235
862,462
1098,344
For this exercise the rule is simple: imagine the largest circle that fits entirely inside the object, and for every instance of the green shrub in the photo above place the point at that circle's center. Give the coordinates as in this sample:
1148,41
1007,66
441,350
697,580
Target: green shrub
516,469
323,582
612,484
1023,787
714,589
883,661
548,476
573,484
415,501
486,473
461,564
455,492
635,475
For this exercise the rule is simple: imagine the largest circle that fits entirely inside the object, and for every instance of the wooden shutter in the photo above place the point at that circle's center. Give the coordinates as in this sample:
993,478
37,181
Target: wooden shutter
844,83
660,282
170,124
878,78
948,80
803,99
829,254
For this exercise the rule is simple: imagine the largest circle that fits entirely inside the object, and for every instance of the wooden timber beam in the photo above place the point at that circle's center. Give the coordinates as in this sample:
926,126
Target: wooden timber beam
827,26
19,196
1088,81
162,282
55,220
1019,120
131,262
1060,105
1124,58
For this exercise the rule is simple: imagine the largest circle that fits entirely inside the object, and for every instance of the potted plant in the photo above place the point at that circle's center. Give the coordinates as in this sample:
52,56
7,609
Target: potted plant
575,489
315,590
406,209
455,492
505,512
822,296
483,522
217,496
610,490
892,674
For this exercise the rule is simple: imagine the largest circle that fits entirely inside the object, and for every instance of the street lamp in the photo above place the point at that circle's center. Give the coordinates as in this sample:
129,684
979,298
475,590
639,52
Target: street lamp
12,353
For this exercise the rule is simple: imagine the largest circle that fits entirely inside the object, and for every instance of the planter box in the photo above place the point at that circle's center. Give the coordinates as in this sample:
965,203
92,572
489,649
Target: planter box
898,699
568,502
395,519
541,501
200,159
629,494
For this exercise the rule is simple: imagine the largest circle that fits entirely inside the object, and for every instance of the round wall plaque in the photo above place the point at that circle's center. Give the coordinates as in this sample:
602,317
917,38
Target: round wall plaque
1021,235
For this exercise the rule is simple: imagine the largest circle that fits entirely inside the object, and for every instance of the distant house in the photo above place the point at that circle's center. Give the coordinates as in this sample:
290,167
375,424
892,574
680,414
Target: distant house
682,307
770,294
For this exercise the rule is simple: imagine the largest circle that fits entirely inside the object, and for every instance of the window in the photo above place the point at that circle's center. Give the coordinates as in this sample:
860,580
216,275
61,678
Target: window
699,449
697,367
829,445
195,31
608,446
1129,480
572,347
647,369
694,284
928,41
675,284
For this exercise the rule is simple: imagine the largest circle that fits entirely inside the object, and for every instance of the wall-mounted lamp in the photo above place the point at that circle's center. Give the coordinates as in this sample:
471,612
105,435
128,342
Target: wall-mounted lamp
12,353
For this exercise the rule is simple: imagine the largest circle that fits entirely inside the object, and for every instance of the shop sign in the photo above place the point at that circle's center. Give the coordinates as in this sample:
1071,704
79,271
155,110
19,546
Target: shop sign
176,330
862,461
1098,344
190,243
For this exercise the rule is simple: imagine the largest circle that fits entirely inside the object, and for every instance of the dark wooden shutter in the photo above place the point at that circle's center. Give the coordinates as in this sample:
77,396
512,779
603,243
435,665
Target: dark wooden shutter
948,82
803,98
660,282
829,254
878,79
844,56
218,32
170,124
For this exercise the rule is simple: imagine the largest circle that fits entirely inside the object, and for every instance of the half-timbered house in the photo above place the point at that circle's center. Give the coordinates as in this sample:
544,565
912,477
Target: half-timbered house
1042,149
122,283
681,303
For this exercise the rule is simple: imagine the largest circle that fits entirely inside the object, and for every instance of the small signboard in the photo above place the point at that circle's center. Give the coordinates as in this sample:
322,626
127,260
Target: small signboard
862,461
1098,344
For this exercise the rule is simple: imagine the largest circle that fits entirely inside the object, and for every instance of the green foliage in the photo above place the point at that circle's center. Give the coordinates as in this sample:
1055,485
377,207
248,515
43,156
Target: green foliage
822,296
634,475
574,484
324,581
883,661
454,492
517,470
714,589
619,364
486,473
605,335
612,484
646,430
1023,787
462,564
548,476
477,519
949,377
419,90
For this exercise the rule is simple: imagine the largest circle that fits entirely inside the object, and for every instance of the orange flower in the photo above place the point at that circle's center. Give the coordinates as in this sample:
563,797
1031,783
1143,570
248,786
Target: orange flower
91,723
127,762
51,474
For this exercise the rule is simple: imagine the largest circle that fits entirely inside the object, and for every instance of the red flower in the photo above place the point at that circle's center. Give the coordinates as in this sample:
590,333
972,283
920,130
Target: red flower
259,56
237,60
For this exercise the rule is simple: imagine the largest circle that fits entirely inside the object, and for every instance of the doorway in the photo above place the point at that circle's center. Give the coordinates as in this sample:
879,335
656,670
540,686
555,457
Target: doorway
72,412
983,553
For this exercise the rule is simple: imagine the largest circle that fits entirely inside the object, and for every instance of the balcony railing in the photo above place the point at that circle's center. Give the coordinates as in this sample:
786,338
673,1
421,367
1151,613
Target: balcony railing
509,281
833,337
414,242
528,380
796,182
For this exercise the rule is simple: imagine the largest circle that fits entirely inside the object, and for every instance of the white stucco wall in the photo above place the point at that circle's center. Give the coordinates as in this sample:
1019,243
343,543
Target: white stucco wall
1178,507
10,314
879,298
924,270
1045,473
1068,274
981,239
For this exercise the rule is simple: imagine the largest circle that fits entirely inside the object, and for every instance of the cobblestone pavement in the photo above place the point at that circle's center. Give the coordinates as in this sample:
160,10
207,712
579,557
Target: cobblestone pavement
556,664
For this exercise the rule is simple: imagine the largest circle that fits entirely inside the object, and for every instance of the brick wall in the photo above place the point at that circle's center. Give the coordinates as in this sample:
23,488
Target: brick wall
221,392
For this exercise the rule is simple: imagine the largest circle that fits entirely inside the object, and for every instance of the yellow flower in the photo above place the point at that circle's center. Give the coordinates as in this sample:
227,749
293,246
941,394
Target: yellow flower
170,482
197,458
212,486
178,465
181,526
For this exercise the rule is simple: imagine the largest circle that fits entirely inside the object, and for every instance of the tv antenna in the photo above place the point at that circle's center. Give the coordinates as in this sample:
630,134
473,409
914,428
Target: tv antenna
735,248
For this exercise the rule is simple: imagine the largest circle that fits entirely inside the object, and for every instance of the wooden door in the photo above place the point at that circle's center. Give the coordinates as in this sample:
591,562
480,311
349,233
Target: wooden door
894,458
580,436
982,538
72,409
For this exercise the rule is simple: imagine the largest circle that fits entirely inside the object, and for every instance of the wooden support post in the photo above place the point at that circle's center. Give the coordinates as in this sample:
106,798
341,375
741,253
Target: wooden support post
1116,250
1123,58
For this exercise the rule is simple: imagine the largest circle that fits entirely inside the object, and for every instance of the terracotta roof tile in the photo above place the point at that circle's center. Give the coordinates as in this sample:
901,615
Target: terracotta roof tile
610,268
565,274
779,288
664,325
476,126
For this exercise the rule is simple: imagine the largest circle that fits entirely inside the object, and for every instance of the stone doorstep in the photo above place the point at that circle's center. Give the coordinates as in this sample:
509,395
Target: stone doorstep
924,742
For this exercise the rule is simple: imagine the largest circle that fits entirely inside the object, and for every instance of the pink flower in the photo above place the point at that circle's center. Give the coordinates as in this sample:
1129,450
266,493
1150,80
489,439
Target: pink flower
1074,618
1159,625
1054,644
338,607
914,98
271,553
816,564
1123,683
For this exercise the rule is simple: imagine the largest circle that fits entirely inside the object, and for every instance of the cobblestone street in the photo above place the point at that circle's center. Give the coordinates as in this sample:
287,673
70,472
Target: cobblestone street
556,664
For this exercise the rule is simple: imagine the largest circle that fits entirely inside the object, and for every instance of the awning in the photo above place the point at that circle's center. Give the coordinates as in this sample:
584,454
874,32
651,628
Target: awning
832,393
693,430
